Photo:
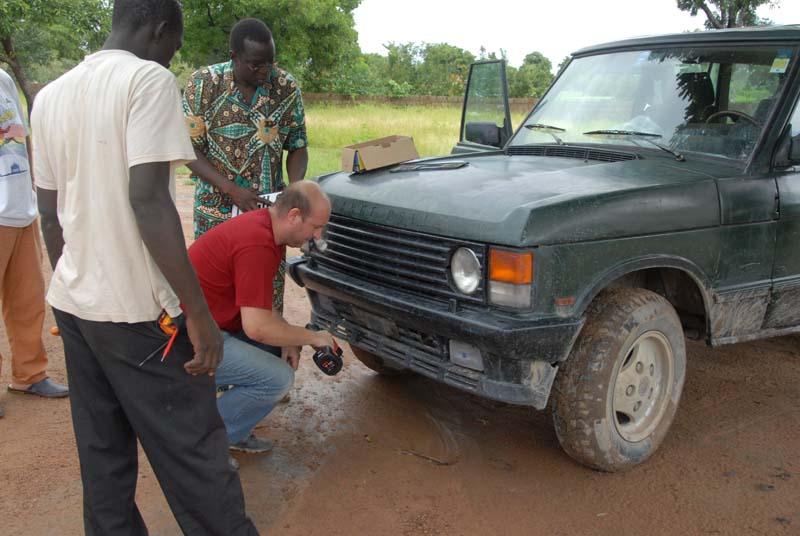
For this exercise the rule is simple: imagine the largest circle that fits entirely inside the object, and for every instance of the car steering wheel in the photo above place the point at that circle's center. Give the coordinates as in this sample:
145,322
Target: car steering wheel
733,114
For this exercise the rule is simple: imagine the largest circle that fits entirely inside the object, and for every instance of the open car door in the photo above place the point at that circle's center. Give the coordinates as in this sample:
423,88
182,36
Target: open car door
485,117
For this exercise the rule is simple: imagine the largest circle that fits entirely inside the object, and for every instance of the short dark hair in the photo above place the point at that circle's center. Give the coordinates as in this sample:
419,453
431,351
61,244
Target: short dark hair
252,29
293,197
136,13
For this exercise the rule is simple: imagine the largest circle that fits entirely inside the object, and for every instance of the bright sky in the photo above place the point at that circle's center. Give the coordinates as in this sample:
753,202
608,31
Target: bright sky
555,28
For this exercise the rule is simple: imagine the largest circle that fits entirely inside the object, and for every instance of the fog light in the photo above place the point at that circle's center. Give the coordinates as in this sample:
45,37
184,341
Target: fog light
466,355
510,295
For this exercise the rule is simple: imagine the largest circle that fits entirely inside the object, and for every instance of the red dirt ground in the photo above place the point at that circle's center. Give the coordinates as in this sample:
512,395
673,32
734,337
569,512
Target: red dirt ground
354,456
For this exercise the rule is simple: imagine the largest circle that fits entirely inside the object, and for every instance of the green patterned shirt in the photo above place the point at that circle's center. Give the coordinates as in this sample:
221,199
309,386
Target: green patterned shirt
244,141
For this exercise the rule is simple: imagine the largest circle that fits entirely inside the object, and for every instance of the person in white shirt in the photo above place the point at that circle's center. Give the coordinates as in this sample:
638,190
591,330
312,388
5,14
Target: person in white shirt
139,341
21,281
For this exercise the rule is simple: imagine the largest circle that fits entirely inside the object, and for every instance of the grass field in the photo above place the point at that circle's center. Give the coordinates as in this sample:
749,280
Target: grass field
331,127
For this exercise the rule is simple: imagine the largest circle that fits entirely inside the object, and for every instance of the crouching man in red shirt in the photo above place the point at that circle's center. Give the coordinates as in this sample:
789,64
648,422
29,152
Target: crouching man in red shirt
236,263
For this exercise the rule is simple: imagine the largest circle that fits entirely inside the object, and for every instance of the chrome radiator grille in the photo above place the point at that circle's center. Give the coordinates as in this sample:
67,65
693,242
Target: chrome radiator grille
395,258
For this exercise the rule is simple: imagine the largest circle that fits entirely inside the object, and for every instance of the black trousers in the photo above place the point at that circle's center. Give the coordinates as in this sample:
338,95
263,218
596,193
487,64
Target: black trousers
173,414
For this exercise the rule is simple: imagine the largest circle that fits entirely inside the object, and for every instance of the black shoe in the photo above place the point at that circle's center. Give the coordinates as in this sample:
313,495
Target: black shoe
253,445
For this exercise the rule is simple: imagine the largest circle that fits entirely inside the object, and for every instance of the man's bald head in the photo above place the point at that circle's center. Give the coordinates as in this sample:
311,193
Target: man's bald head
300,213
302,195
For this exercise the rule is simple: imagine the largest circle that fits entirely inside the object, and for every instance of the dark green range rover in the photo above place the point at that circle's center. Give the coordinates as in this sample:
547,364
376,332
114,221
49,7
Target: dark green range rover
652,194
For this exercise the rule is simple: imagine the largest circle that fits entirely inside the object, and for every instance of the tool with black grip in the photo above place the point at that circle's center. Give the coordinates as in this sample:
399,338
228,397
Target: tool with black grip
328,359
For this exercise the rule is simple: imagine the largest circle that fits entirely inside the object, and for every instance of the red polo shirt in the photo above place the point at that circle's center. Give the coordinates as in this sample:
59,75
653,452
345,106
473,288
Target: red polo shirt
236,262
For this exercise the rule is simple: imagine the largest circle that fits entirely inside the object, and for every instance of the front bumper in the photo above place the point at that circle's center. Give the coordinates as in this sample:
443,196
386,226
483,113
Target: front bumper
520,355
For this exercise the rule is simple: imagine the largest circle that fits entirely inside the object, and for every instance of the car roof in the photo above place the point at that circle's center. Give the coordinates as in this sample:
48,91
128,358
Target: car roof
731,35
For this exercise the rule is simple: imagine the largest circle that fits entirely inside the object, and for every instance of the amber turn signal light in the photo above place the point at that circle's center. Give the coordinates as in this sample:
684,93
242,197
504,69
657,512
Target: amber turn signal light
511,267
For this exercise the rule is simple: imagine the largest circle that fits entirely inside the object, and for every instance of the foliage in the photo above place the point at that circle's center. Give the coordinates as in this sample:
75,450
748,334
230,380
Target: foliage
315,40
398,90
182,69
42,30
402,61
727,13
363,77
532,78
425,69
443,70
40,33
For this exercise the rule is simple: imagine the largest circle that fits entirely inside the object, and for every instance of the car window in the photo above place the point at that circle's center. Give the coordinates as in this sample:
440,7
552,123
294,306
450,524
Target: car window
708,100
485,100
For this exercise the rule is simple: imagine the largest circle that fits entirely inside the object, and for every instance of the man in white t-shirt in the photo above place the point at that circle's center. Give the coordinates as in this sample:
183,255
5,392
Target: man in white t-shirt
21,282
108,136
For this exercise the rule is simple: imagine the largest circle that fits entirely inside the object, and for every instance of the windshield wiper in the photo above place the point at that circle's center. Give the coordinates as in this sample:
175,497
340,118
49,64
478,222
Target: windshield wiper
644,136
550,129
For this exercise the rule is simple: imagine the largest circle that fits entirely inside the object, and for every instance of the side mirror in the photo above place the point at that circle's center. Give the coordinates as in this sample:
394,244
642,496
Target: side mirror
788,152
483,132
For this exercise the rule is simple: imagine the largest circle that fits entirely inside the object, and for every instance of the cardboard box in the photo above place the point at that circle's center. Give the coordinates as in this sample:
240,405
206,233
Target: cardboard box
378,153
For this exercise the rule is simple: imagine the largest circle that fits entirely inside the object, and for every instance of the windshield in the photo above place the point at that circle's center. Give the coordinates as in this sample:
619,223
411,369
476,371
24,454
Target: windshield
713,101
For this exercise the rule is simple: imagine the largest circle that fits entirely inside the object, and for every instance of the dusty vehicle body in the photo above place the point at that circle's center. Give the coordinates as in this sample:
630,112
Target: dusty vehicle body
653,193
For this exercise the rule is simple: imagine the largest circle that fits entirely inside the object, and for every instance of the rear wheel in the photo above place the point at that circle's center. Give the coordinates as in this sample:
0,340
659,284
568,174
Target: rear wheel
616,395
376,363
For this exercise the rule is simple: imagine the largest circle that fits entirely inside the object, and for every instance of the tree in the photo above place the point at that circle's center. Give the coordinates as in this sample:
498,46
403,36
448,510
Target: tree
366,76
532,78
39,31
315,40
443,70
727,13
402,60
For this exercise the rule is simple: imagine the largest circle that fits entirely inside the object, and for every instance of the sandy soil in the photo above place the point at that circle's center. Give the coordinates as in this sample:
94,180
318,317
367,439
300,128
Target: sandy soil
361,454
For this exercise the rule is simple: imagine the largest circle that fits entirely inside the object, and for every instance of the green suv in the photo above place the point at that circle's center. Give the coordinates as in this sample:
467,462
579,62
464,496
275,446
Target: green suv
652,194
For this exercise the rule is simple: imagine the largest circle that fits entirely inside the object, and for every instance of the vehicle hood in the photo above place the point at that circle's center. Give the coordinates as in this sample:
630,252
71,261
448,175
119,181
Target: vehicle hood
533,200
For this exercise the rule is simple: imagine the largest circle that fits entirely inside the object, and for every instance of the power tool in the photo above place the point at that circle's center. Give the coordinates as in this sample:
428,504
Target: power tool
327,358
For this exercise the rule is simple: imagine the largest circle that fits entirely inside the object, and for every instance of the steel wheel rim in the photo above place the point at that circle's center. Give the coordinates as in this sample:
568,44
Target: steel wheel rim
642,386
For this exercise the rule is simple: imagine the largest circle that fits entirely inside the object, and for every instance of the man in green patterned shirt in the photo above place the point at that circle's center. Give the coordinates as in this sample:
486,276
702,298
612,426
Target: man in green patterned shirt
241,115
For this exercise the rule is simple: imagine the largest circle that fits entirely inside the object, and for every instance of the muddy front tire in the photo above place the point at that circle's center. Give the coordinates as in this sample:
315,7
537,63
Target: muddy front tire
376,363
616,395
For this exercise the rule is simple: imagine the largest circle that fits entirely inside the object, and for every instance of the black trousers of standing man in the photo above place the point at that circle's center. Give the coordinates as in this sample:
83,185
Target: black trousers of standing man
173,414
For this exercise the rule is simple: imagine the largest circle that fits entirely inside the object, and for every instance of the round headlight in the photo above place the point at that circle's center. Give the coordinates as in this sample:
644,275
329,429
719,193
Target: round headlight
466,270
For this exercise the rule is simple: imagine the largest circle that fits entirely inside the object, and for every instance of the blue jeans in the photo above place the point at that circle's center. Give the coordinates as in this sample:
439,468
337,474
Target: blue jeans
260,379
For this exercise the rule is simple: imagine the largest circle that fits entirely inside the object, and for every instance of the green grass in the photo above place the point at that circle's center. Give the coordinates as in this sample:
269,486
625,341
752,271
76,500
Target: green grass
332,127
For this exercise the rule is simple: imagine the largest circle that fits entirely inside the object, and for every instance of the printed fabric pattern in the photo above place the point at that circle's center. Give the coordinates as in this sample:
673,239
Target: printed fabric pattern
13,154
243,141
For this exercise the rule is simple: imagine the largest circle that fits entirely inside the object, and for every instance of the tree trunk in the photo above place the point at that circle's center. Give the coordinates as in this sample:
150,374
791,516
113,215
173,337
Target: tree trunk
19,72
710,16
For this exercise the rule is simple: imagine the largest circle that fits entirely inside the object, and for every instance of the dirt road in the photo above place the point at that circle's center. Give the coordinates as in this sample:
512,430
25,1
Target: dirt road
360,454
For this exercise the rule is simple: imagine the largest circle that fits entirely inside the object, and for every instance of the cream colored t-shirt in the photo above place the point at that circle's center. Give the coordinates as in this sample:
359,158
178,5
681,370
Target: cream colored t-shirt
111,112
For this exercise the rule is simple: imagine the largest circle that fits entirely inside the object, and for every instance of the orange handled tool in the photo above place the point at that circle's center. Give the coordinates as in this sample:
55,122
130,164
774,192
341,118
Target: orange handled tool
168,327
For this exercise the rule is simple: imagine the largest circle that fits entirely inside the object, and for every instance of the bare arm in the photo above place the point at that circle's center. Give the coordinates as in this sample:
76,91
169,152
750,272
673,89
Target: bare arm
51,228
160,227
244,198
297,164
268,327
